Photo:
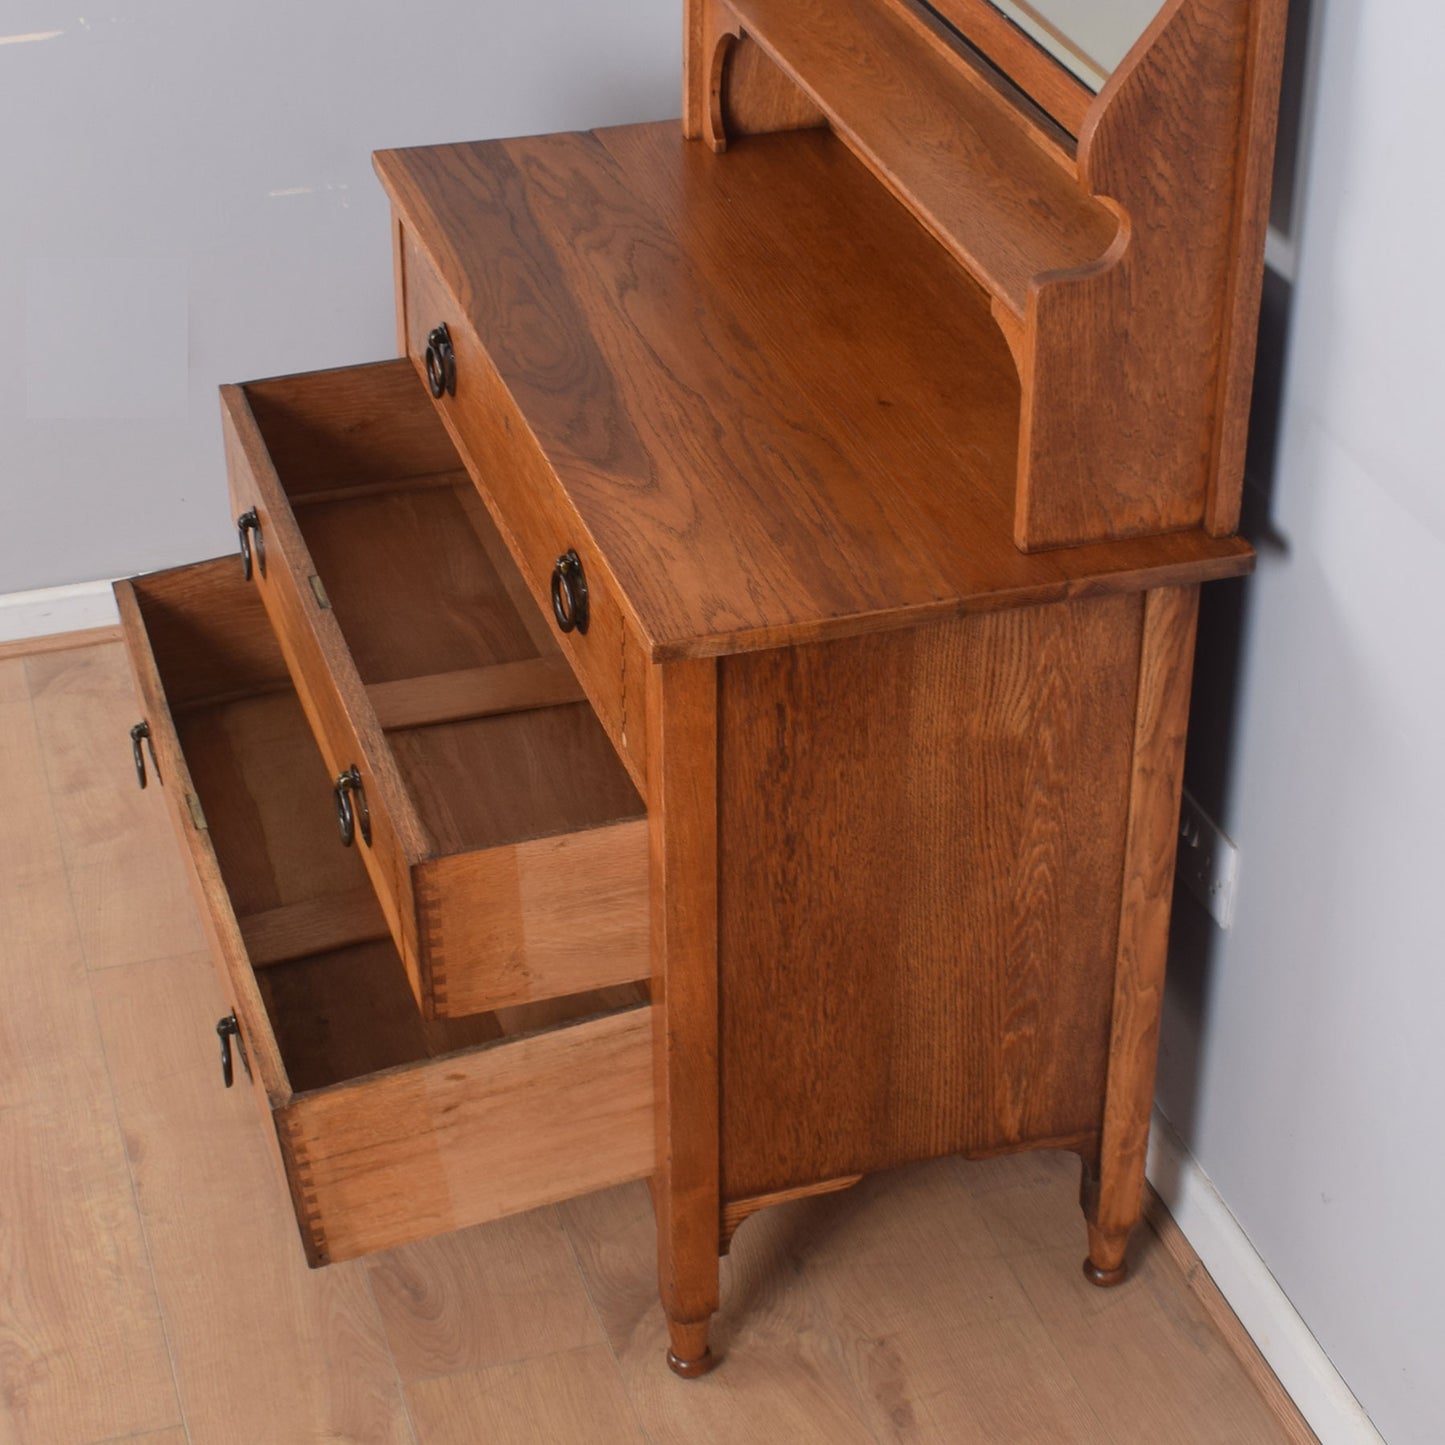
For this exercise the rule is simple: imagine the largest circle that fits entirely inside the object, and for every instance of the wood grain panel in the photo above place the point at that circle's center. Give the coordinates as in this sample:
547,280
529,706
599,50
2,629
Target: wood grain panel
517,488
410,584
1124,362
347,427
492,782
917,890
1254,177
939,136
682,759
756,97
551,917
293,930
344,1014
481,1134
413,702
1156,777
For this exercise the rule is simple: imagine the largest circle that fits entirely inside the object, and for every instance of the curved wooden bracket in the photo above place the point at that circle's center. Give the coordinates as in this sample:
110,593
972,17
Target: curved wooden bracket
714,124
737,88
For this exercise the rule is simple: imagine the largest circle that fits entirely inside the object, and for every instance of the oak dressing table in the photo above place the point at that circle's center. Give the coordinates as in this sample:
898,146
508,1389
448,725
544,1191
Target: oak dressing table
743,642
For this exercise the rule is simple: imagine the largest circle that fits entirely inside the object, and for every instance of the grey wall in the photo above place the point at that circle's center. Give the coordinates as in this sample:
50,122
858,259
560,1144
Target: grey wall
1303,1058
186,198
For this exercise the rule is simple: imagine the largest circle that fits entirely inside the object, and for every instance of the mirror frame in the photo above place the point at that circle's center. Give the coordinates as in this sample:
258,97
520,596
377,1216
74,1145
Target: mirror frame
1043,77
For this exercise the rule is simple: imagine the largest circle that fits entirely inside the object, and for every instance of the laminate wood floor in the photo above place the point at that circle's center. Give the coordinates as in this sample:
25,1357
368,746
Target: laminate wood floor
152,1287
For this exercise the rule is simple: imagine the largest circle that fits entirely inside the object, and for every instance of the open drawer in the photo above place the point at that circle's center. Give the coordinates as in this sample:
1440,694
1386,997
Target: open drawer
502,833
390,1128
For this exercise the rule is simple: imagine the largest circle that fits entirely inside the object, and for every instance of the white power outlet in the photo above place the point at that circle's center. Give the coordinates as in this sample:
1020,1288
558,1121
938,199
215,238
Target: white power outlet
1208,861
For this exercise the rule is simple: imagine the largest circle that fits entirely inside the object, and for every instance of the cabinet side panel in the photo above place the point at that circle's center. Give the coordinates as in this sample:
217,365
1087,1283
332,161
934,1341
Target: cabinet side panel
921,855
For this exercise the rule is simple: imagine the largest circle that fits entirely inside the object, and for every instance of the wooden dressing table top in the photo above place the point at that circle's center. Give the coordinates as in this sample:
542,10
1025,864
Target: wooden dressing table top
779,407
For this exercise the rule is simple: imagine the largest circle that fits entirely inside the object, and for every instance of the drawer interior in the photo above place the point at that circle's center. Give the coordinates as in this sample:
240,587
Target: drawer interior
487,722
327,970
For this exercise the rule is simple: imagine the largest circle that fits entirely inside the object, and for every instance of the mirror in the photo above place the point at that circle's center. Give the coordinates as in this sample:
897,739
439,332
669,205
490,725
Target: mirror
1090,37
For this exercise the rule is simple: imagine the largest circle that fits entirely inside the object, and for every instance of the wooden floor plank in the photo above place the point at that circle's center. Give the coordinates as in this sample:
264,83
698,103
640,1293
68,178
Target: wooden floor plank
130,893
941,1340
559,1398
781,1376
158,1437
82,1351
1143,1355
494,1295
18,649
13,684
48,1042
264,1349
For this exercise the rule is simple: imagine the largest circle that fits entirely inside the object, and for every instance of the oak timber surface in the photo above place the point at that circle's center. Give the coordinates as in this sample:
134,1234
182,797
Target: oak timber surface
964,1007
779,408
980,183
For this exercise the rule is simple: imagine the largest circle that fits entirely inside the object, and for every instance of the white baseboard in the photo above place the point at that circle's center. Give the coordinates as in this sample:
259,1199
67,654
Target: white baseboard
56,609
1285,1341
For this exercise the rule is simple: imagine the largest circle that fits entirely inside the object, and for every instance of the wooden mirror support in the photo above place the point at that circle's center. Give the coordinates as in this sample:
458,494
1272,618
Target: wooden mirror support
1120,236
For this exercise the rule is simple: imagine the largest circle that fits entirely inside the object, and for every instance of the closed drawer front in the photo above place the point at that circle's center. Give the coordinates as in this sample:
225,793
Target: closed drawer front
389,1128
503,836
531,509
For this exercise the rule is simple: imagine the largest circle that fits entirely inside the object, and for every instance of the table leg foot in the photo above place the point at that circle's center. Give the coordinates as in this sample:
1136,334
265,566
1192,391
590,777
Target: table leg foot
1106,1265
687,1353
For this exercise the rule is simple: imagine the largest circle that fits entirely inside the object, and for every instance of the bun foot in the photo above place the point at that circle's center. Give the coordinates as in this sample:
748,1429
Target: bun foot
1105,1278
687,1353
691,1369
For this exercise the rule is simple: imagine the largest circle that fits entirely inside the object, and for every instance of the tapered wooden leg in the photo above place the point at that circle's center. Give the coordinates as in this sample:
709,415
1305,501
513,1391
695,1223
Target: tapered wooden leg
1113,1191
1105,1264
682,830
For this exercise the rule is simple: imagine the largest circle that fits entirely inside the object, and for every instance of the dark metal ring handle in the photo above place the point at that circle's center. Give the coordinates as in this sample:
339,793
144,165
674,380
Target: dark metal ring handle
351,810
569,593
441,362
248,528
226,1030
139,731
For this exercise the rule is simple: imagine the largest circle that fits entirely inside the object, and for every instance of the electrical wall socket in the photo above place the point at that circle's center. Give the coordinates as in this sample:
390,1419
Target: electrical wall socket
1208,862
